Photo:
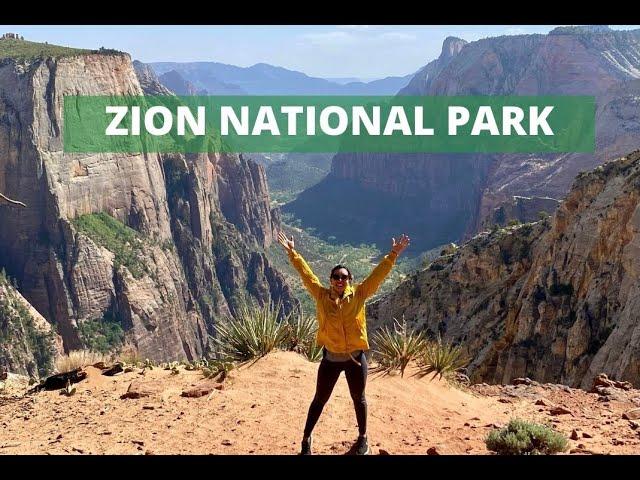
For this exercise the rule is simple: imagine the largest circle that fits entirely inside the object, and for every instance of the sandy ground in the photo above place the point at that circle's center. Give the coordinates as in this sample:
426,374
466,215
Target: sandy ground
262,407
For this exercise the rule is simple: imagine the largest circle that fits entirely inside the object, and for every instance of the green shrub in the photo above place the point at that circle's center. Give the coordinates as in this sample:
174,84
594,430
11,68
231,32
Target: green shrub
103,334
525,438
543,215
217,369
442,358
252,333
394,349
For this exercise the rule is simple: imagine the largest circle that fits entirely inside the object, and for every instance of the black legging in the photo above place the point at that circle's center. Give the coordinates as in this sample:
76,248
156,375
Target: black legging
328,374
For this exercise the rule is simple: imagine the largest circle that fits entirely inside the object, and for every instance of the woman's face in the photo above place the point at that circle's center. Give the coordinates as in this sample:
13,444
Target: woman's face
340,280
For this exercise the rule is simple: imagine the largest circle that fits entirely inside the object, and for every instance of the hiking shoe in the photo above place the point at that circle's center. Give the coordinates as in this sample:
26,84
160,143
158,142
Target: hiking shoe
362,447
306,447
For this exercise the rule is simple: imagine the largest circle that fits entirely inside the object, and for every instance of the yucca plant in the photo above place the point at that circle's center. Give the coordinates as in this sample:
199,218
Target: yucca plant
68,390
252,333
442,358
300,331
301,336
394,349
313,352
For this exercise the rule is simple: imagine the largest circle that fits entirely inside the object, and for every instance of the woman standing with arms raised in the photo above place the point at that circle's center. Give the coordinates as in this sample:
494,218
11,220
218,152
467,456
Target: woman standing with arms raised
342,332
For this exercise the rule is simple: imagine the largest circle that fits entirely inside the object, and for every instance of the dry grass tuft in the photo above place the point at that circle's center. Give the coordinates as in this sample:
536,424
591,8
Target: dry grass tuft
78,359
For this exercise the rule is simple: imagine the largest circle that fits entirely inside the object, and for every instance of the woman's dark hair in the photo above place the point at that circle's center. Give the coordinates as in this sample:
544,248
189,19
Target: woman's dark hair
338,267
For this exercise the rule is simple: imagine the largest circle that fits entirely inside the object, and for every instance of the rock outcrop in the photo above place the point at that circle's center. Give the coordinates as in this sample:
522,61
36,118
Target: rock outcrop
177,84
199,225
520,209
28,343
148,79
466,189
555,301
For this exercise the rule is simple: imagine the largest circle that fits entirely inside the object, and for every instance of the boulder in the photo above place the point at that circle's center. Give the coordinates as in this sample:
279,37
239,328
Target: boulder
633,414
545,402
603,385
601,380
202,389
115,369
141,389
522,381
59,380
560,410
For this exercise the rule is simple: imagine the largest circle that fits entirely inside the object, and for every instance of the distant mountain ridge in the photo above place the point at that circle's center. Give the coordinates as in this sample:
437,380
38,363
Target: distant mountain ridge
265,79
443,198
176,83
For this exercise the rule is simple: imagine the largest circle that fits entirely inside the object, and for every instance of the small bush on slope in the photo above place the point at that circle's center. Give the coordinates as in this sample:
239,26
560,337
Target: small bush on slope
525,438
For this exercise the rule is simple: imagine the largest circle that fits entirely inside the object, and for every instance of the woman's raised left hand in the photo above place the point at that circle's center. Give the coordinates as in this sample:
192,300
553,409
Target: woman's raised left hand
401,244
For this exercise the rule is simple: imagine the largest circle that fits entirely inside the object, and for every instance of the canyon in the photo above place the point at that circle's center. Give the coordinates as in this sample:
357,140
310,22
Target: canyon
555,300
439,198
198,224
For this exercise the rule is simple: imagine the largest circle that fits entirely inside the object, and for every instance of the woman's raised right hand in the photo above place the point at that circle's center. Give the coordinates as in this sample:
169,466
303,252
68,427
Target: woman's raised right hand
288,244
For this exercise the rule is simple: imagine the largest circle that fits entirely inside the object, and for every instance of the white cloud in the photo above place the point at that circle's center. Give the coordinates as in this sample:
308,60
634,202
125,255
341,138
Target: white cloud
398,37
329,38
354,27
364,38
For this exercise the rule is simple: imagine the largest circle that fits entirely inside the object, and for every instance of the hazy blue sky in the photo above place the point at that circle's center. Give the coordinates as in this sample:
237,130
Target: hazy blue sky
325,51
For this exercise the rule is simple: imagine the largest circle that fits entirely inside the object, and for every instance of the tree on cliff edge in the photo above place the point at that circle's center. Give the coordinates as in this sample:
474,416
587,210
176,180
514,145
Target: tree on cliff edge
7,199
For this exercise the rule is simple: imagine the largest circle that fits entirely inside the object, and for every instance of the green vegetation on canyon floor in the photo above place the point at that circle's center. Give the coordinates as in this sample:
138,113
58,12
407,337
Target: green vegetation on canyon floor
295,172
102,334
323,255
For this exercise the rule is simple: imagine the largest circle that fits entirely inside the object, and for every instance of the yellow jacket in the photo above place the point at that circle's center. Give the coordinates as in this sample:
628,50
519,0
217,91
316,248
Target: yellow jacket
342,327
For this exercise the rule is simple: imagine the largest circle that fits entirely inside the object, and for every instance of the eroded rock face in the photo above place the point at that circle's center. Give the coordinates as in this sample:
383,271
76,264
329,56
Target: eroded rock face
467,188
28,343
149,81
68,275
555,301
521,209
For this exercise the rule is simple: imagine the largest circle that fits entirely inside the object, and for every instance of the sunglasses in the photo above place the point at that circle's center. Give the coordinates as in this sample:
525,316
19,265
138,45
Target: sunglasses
336,276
